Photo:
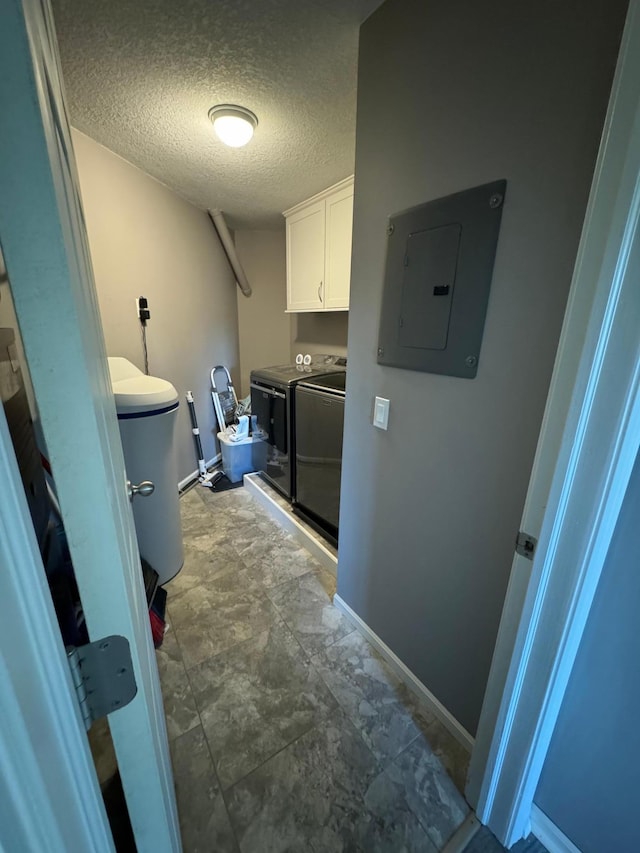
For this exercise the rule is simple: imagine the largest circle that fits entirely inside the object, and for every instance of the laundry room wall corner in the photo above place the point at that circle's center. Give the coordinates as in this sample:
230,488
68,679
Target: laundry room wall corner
147,241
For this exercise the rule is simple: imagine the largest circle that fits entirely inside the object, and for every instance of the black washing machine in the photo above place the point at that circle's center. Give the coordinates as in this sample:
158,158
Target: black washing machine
273,403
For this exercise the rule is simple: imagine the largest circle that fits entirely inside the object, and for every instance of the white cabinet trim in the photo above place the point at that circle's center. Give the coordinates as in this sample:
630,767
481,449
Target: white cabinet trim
341,185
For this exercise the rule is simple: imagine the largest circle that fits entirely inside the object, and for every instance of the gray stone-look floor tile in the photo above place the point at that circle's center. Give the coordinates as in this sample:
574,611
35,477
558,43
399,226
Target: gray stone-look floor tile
278,560
190,498
210,619
309,796
225,585
240,521
204,823
253,541
388,824
232,508
371,694
194,515
451,753
256,698
191,505
254,661
204,559
180,709
307,609
277,498
327,580
428,790
220,577
211,552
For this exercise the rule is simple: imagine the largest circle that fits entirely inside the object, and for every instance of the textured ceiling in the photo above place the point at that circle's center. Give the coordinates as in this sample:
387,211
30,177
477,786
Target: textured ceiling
141,77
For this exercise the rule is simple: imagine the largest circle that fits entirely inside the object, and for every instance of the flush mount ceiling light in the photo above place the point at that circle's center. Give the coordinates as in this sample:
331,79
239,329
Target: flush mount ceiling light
234,125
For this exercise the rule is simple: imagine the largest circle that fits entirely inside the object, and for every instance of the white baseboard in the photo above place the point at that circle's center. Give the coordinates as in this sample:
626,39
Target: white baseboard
193,476
290,523
412,681
548,833
460,839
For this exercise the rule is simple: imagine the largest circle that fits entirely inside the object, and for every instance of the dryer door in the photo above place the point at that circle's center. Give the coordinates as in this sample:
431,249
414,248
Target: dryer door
319,424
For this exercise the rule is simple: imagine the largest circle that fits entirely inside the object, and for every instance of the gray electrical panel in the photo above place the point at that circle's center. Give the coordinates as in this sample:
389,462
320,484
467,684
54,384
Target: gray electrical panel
438,275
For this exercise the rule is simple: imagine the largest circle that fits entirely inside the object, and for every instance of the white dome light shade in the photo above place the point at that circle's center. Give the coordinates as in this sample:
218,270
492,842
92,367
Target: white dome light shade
233,125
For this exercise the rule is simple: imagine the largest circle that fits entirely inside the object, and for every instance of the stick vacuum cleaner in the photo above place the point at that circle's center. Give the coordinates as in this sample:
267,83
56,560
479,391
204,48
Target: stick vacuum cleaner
205,478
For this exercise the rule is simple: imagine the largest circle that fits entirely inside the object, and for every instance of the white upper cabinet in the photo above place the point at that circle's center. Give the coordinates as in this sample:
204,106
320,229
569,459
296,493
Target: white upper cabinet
305,258
319,250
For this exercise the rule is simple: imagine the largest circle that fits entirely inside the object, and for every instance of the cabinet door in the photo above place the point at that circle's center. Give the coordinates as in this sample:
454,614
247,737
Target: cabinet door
305,259
339,223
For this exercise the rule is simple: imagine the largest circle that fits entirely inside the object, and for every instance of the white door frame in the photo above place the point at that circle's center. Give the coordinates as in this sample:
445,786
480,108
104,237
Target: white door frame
47,258
586,451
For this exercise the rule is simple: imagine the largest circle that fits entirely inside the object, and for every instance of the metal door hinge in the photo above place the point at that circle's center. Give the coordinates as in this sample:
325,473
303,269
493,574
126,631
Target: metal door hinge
102,674
526,545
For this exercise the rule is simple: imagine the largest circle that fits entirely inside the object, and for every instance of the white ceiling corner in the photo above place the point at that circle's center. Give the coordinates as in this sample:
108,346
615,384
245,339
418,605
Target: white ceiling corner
141,77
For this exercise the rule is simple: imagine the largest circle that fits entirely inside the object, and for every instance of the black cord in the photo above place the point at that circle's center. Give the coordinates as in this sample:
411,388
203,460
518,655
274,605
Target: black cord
144,347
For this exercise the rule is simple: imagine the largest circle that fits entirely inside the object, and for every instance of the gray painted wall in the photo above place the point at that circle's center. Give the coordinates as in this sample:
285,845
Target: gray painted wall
451,95
589,783
264,328
319,333
145,240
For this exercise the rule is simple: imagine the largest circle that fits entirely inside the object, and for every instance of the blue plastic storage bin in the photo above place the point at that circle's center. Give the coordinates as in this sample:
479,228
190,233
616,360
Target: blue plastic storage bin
237,457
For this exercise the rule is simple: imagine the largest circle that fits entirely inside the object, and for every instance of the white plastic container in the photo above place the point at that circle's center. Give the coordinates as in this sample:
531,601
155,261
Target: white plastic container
238,456
147,407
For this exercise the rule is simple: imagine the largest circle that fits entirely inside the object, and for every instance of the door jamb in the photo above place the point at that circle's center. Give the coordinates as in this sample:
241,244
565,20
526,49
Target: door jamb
595,458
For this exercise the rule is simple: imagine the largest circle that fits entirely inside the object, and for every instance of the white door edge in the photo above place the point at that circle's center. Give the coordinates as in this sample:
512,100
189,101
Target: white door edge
591,470
47,257
49,794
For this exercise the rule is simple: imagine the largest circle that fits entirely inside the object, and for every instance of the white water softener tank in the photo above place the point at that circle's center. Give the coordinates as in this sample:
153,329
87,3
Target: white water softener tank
147,409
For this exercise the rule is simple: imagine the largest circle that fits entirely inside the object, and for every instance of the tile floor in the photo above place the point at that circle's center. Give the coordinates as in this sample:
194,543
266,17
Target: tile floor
288,732
261,490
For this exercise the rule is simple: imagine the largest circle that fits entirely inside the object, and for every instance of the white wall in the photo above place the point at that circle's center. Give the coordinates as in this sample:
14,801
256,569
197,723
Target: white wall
264,328
147,241
453,94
